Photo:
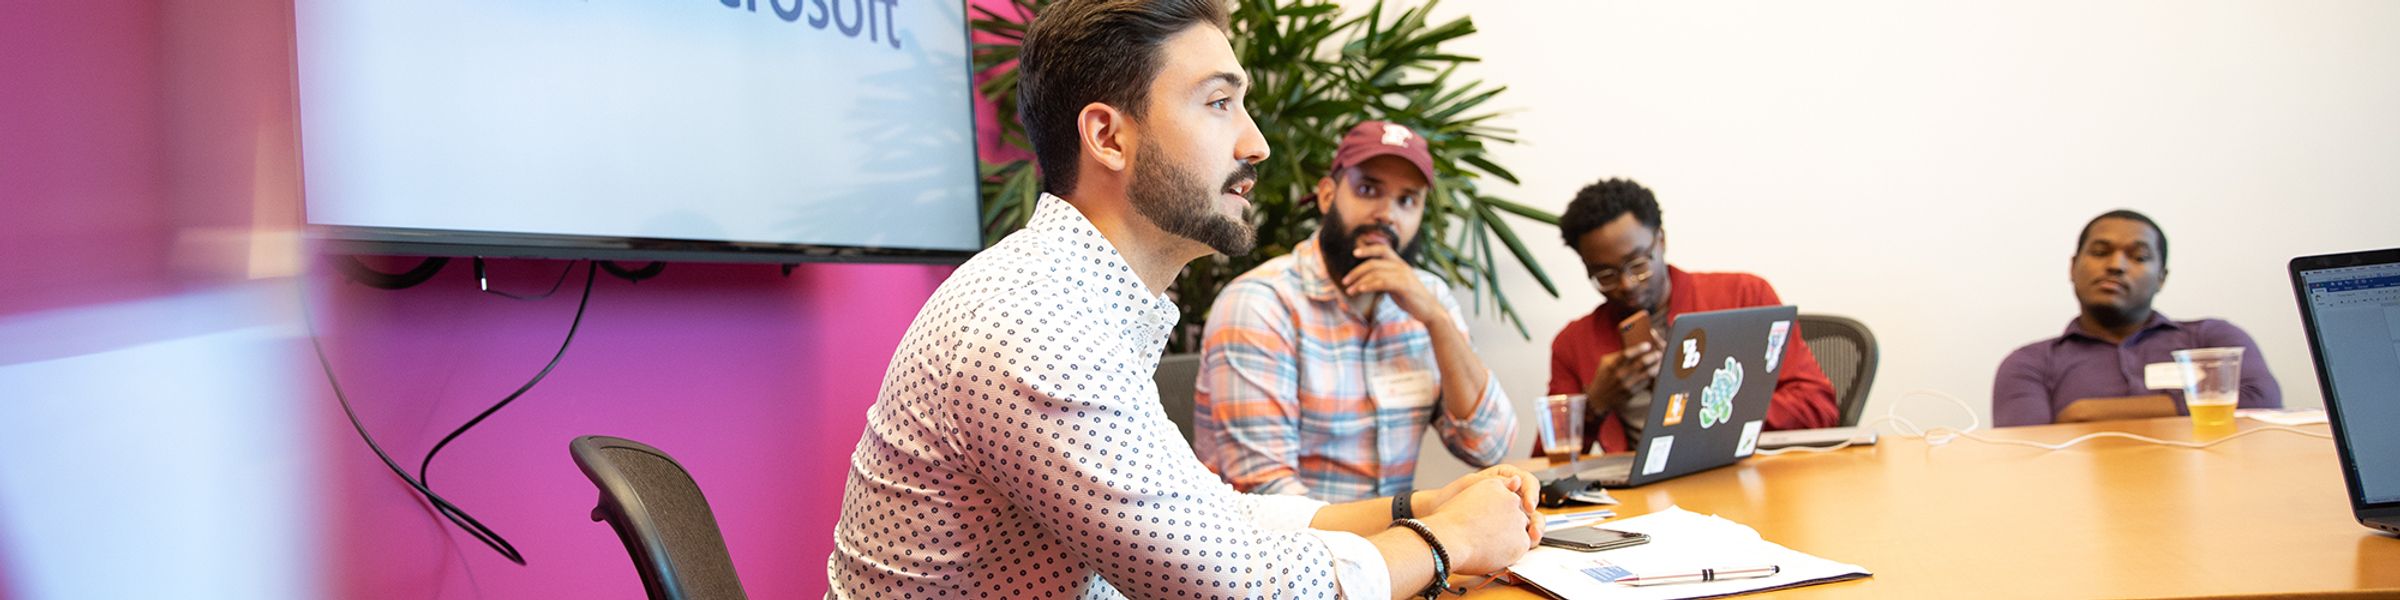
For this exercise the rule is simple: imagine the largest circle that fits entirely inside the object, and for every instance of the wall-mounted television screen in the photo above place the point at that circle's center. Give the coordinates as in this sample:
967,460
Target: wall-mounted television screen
715,130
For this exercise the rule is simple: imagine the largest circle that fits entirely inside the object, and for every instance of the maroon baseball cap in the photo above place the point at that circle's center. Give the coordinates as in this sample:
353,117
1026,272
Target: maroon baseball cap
1378,138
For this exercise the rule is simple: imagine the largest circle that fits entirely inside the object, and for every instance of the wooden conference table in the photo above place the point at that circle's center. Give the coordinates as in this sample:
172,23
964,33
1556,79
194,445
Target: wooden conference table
2265,514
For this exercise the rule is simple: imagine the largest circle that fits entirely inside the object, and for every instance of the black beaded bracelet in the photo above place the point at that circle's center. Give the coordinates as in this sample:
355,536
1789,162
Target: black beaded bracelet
1441,561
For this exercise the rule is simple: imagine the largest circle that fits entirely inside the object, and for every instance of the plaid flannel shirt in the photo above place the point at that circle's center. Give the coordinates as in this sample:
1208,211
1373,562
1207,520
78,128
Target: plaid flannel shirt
1298,396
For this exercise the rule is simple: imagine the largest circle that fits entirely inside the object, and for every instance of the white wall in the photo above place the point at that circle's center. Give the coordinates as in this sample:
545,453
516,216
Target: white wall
160,448
1925,167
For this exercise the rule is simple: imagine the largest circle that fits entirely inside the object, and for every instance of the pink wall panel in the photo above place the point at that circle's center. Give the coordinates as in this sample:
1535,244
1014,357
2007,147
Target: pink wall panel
757,383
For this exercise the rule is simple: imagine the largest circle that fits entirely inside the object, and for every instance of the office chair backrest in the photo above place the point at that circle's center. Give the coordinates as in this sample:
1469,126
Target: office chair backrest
1177,374
659,513
1846,350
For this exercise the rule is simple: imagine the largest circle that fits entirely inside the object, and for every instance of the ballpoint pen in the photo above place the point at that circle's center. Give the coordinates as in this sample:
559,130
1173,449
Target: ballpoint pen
1580,515
1703,575
1554,522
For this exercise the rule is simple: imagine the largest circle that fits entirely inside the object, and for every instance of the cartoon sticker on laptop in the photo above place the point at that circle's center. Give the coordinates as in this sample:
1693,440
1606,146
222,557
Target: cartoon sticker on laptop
1749,442
1776,334
1674,414
1716,400
1695,345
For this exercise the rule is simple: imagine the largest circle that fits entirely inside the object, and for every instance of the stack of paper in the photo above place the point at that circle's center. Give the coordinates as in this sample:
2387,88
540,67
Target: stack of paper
1680,541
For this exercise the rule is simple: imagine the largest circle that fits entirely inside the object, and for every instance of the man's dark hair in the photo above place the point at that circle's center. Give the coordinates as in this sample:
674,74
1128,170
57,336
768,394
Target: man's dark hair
2128,215
1606,201
1083,51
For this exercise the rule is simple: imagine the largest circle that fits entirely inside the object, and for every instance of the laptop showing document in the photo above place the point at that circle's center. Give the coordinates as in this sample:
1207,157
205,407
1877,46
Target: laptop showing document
1709,403
2350,306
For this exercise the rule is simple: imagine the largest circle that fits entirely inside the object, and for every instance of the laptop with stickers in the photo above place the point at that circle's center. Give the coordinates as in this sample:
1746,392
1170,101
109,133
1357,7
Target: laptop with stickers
1709,401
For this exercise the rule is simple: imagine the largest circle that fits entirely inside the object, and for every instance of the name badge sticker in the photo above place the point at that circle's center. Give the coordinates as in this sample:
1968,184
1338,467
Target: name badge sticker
2163,376
1403,389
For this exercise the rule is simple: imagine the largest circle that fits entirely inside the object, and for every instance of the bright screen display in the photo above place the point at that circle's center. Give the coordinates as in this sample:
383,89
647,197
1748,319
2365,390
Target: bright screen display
840,123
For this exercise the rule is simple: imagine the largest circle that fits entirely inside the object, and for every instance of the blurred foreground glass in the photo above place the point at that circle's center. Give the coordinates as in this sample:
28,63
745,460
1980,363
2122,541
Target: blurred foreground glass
1561,428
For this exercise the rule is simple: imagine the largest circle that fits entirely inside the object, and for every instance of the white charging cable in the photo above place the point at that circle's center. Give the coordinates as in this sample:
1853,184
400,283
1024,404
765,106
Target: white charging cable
1944,435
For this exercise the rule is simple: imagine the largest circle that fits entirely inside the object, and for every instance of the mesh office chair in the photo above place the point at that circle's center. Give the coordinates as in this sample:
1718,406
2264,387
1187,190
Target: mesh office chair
1177,374
659,513
1846,350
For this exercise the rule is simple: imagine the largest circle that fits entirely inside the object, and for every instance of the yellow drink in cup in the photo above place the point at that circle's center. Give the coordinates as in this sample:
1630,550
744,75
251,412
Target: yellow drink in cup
2212,387
2212,419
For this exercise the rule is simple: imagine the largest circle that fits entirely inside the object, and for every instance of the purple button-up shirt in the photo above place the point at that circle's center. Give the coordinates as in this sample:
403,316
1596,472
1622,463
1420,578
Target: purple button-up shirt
2043,377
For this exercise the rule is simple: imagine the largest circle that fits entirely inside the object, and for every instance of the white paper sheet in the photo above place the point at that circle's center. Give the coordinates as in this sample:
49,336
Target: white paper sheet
2287,418
1680,541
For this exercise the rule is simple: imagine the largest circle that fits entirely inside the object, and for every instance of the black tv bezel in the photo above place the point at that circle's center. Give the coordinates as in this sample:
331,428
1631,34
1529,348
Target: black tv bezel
397,241
404,241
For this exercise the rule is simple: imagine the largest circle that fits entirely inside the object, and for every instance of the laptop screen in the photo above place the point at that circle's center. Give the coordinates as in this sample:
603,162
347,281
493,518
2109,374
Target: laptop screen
2357,322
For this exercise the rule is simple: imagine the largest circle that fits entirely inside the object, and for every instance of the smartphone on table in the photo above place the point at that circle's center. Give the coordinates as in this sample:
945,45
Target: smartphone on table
1593,539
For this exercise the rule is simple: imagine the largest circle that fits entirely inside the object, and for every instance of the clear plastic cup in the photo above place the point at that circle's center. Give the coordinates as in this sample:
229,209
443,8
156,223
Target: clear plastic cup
2212,386
1561,428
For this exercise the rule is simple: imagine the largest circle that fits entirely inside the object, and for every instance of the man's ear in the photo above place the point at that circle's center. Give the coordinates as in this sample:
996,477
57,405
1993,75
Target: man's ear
1106,134
1324,194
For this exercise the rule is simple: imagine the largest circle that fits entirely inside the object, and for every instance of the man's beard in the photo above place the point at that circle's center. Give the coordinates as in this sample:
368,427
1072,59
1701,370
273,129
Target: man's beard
2111,316
1178,201
1339,243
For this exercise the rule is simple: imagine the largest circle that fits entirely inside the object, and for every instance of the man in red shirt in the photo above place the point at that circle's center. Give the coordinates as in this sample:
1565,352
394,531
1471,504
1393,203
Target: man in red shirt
1614,225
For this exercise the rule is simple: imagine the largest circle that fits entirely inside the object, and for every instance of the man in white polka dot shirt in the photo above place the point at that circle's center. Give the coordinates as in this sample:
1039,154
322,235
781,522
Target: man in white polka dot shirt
1018,449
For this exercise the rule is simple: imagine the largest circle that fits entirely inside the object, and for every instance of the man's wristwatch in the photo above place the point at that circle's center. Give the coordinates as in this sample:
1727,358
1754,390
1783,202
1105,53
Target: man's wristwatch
1400,507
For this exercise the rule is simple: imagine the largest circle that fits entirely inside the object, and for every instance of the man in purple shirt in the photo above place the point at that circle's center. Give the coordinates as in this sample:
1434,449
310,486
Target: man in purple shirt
2120,263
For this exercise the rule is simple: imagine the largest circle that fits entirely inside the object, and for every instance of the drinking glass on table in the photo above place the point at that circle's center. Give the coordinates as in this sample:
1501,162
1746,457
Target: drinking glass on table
2212,386
1561,428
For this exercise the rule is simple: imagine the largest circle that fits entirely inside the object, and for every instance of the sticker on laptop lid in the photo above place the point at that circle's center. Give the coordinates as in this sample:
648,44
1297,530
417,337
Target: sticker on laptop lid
1776,334
1749,439
1695,345
1674,414
1716,400
1656,460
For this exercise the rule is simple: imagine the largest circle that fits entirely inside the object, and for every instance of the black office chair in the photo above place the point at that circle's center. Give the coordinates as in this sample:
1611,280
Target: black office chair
1846,351
1177,376
659,513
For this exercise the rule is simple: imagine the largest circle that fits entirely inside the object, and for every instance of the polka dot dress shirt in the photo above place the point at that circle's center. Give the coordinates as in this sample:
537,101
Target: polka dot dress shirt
1018,450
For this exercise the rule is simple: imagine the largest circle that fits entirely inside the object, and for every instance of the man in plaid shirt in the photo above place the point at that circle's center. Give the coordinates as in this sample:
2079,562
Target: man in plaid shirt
1321,369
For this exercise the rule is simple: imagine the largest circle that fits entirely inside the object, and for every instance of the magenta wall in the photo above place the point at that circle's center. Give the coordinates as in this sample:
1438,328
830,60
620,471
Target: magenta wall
757,383
79,161
78,171
143,126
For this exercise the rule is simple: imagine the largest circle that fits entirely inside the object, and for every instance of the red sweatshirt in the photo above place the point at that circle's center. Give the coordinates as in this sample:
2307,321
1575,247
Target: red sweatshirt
1803,397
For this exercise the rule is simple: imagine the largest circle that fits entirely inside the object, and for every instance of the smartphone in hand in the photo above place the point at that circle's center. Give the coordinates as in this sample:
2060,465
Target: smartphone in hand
1635,329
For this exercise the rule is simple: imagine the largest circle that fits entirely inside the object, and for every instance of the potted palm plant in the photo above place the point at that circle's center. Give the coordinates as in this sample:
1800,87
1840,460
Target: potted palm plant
1316,72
